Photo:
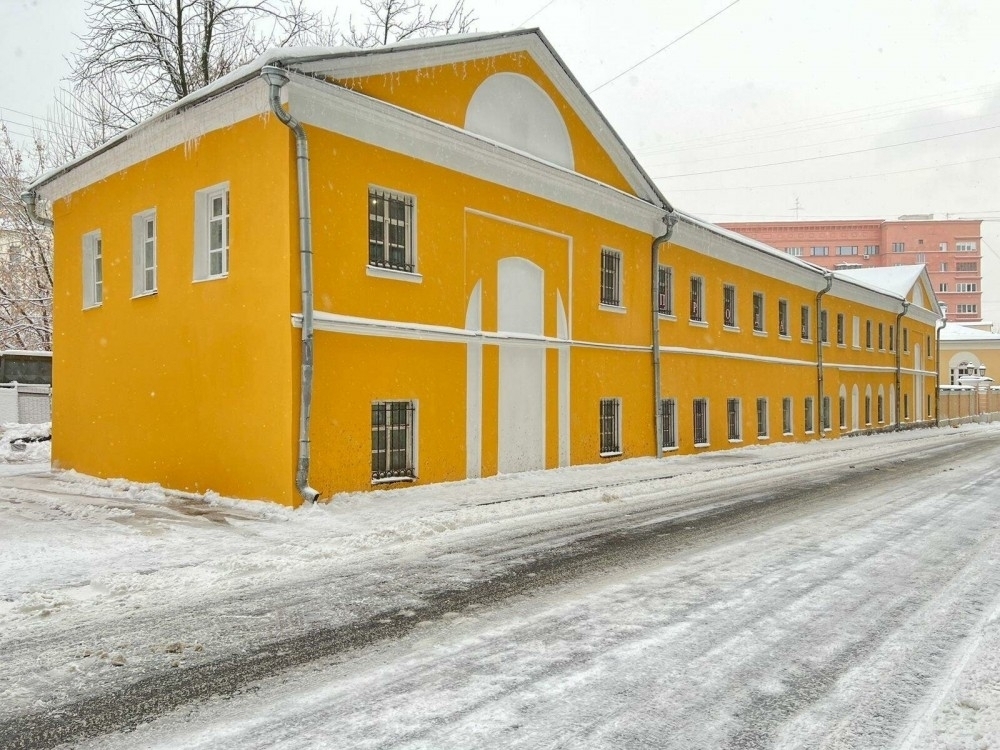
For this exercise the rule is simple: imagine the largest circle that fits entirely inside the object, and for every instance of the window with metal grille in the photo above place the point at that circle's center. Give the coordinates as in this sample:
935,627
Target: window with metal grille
758,311
840,329
668,419
665,290
842,408
697,301
734,419
906,406
824,335
906,340
868,334
729,305
880,408
782,317
805,323
390,230
786,416
611,277
881,336
809,418
762,431
825,413
611,426
393,440
700,421
868,409
892,338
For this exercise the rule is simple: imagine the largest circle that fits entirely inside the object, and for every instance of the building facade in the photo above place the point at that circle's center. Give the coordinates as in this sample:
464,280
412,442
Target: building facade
950,248
426,263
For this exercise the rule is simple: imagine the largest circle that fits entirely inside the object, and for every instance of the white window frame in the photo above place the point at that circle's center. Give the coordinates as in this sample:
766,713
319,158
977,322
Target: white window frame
616,302
729,307
734,420
787,416
409,269
805,321
616,427
759,312
409,473
856,330
93,270
665,291
783,319
826,415
144,273
668,419
696,308
763,427
966,247
203,220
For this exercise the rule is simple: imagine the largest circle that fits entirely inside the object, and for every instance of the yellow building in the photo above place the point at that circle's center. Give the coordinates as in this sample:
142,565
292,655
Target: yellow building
335,270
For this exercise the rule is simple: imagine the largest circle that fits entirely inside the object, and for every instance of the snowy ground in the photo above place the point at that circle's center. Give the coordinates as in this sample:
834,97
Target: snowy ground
839,594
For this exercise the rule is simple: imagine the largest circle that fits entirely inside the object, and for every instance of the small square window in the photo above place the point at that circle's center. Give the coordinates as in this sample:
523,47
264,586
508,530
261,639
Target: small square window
611,277
611,426
390,231
393,441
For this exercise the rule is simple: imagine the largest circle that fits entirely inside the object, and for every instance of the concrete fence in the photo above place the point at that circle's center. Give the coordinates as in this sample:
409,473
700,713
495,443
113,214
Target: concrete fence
968,403
27,404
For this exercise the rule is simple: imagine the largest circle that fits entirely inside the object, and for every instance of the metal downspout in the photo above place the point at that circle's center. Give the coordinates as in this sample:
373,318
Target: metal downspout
28,198
670,220
937,366
899,360
276,78
828,276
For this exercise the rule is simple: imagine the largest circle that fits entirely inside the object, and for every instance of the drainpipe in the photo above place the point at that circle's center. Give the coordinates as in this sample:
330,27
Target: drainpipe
28,198
828,277
899,360
670,220
937,367
276,78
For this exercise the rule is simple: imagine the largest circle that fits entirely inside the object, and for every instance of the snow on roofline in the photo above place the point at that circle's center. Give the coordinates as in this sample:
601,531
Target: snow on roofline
897,280
26,353
958,332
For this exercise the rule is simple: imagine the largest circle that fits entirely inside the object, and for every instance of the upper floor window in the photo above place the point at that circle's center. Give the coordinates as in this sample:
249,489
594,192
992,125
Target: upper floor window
824,335
782,317
840,329
665,290
847,250
943,247
729,305
211,247
93,270
805,322
390,231
921,257
758,311
892,338
881,337
967,309
611,277
856,331
795,251
965,286
966,266
906,339
820,250
697,301
898,247
944,268
966,247
868,334
942,287
144,253
871,249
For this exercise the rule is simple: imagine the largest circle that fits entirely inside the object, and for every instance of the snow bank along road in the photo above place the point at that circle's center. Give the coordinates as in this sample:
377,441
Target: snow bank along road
842,594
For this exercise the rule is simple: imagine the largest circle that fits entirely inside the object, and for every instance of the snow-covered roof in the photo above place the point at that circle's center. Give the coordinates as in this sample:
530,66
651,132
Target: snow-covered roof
956,332
897,280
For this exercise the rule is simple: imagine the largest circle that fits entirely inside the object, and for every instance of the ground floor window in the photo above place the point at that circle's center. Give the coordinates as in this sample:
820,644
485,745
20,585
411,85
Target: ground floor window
734,419
611,426
762,417
868,410
880,405
668,418
843,412
393,440
701,421
786,416
826,416
809,419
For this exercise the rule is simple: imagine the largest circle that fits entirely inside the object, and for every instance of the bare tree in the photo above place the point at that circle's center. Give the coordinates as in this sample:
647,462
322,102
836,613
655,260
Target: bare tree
139,56
25,252
395,20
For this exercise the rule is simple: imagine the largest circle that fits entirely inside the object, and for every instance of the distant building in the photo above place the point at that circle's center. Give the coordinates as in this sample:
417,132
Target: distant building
951,250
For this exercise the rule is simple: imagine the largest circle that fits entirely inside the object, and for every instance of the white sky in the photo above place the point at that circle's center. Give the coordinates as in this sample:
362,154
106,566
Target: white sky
766,81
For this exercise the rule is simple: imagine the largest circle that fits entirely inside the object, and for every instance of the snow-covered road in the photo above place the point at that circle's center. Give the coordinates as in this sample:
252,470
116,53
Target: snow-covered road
841,594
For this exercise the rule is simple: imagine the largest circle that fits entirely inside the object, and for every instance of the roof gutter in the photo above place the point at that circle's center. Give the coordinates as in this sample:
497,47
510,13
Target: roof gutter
937,367
670,220
276,78
29,198
899,359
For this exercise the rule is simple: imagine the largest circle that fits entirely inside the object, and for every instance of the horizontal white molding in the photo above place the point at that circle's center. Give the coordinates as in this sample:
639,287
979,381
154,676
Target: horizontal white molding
160,134
387,126
858,368
737,355
432,55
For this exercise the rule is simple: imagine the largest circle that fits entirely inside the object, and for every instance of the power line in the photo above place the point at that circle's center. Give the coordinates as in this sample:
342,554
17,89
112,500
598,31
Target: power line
831,156
537,12
833,179
664,47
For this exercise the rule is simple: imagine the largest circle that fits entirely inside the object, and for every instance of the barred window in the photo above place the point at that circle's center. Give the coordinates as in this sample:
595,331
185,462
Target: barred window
668,419
840,329
762,418
881,336
393,440
868,409
824,335
611,277
758,311
868,334
810,425
906,406
700,422
728,305
611,426
825,413
843,412
786,416
880,406
892,338
805,322
697,292
734,419
390,231
782,317
906,338
665,290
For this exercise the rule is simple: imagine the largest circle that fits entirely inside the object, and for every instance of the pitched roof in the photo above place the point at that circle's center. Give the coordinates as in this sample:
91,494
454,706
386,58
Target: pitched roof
956,332
898,280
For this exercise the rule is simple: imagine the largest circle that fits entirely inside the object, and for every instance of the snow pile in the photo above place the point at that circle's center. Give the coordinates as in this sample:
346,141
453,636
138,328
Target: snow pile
24,443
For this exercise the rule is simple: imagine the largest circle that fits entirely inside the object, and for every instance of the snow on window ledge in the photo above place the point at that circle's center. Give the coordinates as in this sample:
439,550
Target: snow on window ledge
391,273
612,308
611,454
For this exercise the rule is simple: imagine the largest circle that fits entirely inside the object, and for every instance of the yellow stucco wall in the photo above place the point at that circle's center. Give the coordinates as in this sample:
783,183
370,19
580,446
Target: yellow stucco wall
189,387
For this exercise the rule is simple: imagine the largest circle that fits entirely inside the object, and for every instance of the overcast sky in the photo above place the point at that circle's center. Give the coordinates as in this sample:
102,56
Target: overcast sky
862,108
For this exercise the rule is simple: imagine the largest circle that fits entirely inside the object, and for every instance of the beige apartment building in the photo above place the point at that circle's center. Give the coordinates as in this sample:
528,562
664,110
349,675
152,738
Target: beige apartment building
950,248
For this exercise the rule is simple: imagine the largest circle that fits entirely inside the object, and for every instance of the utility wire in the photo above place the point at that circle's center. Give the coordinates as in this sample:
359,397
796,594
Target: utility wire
537,12
831,156
664,47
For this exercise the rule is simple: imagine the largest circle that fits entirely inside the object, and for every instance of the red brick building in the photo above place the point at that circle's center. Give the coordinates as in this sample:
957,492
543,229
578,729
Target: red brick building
951,250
